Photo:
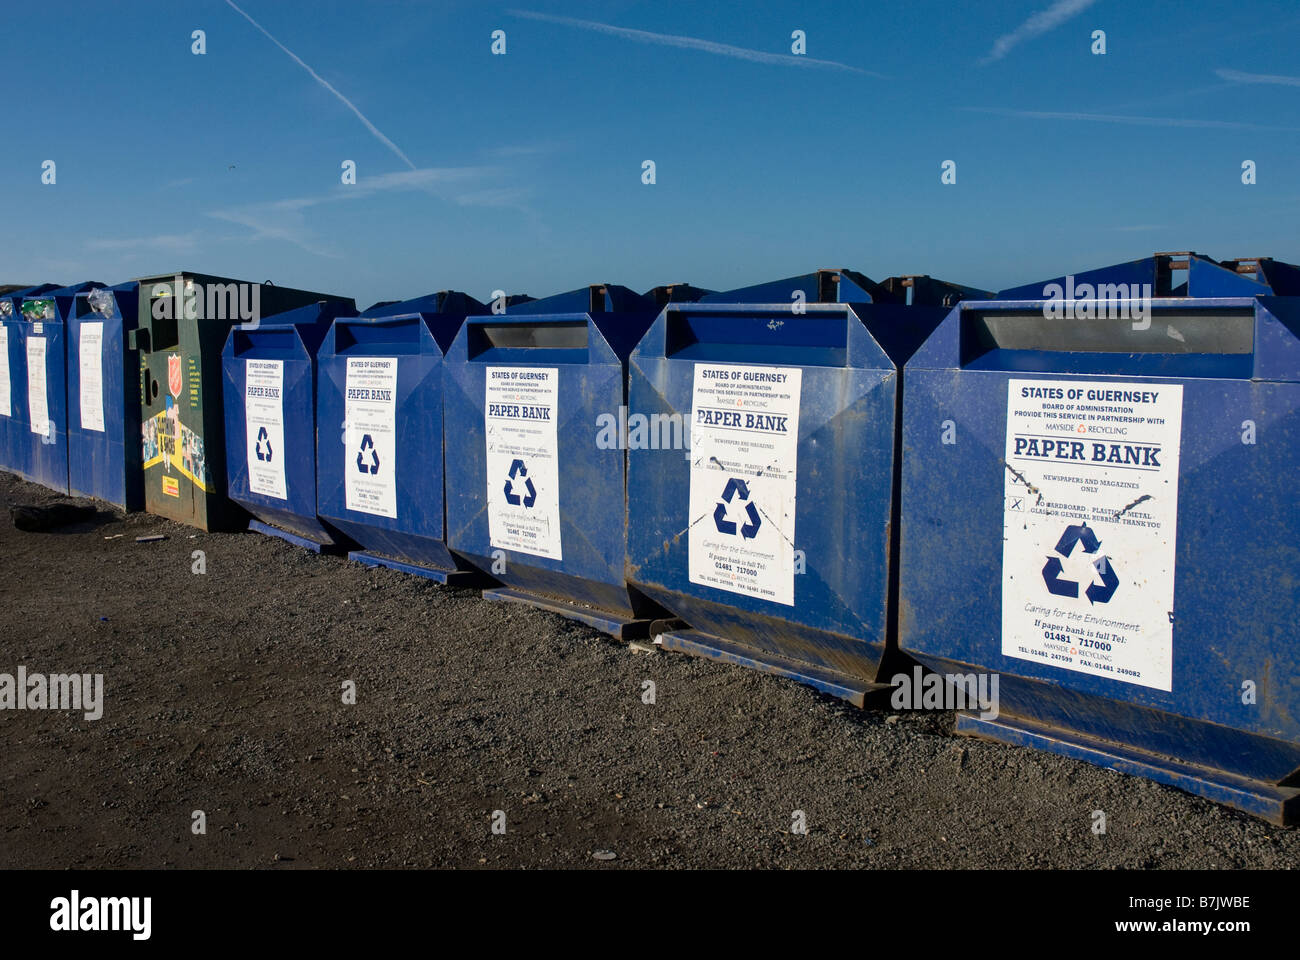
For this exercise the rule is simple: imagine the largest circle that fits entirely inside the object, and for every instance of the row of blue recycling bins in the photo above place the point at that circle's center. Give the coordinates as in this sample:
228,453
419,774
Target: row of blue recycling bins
828,478
69,410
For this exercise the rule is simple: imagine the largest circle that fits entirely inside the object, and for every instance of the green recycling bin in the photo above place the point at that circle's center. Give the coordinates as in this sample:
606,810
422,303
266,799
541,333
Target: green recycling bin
184,320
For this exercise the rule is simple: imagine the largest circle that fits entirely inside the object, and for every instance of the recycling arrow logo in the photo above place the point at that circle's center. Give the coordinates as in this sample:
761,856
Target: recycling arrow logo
750,530
517,471
262,438
368,443
1061,587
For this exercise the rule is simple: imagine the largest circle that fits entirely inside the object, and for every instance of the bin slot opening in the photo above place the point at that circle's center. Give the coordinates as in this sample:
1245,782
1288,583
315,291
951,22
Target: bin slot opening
397,334
39,310
163,333
568,335
819,339
84,311
1168,332
282,341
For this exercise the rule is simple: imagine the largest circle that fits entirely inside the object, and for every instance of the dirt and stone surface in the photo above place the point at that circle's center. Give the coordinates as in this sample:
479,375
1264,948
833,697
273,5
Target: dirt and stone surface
223,693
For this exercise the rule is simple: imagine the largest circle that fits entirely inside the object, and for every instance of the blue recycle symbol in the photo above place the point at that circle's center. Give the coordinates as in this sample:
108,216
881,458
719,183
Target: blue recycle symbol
368,443
263,438
517,469
1096,592
748,531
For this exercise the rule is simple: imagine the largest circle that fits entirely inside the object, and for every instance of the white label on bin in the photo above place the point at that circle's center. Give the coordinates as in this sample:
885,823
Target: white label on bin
5,407
744,449
523,467
38,404
264,427
90,364
1089,524
370,406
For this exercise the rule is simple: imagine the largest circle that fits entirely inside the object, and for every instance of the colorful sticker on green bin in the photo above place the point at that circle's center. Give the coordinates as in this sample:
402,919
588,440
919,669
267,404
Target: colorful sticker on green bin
38,309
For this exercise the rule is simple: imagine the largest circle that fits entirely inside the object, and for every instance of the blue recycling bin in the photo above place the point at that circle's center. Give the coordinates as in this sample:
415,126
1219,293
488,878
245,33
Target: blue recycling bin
14,445
772,539
103,399
42,435
1097,508
269,379
379,452
535,469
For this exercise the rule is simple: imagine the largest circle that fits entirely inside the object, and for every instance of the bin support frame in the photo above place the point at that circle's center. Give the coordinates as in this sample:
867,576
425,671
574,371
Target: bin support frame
1272,802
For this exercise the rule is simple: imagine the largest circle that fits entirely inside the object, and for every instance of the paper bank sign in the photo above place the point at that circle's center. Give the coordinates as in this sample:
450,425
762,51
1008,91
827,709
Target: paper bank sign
1125,454
1089,527
518,411
766,422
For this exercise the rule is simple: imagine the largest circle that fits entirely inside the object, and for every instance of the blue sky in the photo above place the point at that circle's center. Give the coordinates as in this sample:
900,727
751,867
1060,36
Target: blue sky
527,166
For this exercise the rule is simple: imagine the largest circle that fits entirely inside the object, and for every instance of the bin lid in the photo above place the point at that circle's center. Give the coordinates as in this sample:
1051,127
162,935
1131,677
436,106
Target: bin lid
444,301
1205,277
595,298
675,293
841,285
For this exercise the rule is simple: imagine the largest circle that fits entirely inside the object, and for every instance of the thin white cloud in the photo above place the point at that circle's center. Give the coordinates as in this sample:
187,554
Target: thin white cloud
285,220
1038,24
1132,121
1237,76
693,43
166,241
325,83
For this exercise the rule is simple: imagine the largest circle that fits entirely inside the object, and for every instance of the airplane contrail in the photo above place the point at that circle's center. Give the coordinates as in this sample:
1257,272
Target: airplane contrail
1237,76
692,43
1039,23
325,83
1132,120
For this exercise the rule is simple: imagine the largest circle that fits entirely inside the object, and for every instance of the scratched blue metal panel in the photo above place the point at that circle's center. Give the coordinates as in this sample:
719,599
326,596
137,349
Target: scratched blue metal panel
845,473
292,337
14,443
418,534
107,463
1237,542
45,459
591,497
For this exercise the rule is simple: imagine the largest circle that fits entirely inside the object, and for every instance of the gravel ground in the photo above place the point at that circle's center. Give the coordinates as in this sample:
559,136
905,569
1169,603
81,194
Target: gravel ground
223,693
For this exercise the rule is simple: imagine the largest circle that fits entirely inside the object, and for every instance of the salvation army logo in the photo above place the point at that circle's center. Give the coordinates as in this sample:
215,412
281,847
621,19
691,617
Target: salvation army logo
1060,586
174,381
